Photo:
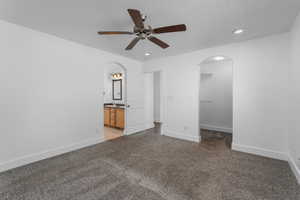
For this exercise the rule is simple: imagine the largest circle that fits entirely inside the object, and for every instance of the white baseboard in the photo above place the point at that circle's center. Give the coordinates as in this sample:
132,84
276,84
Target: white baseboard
134,129
149,125
138,128
260,151
216,128
181,136
294,168
270,154
48,154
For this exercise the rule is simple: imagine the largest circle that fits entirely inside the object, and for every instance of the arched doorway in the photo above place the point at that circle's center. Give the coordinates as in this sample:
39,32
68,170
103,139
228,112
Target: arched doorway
216,102
114,100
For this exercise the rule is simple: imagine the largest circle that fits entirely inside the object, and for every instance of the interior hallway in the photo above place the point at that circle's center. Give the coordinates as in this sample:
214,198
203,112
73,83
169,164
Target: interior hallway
153,167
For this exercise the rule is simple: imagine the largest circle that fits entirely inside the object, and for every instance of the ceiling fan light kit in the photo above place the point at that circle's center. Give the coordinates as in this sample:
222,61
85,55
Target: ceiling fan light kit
143,31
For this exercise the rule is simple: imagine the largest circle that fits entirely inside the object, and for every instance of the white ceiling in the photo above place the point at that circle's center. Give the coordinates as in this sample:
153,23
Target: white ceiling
209,22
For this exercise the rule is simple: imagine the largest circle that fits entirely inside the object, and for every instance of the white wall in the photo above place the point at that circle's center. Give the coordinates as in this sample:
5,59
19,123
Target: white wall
294,99
156,93
260,79
216,95
51,95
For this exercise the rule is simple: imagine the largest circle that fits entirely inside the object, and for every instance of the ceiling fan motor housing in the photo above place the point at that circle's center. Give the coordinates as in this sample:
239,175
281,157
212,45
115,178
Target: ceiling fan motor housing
144,32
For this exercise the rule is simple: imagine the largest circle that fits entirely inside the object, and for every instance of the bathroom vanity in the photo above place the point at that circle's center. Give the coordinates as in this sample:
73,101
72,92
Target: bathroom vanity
114,116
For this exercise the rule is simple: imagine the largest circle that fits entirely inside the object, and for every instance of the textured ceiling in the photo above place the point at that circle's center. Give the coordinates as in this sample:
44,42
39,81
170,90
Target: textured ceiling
209,22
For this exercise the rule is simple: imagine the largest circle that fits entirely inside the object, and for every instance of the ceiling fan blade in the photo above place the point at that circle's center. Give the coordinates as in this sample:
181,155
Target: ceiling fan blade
136,17
158,42
132,43
114,33
168,29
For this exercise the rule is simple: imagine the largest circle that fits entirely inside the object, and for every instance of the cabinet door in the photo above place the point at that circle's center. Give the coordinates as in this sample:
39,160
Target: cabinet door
106,116
113,117
120,118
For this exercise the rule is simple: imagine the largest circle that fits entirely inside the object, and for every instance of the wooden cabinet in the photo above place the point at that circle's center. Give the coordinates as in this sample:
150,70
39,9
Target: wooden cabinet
106,116
114,117
120,119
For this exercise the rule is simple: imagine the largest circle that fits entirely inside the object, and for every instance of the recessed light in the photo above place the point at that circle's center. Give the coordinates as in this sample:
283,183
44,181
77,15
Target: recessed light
238,31
147,54
219,58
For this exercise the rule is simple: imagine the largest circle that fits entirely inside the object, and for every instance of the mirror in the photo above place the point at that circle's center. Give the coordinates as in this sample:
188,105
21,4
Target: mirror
117,89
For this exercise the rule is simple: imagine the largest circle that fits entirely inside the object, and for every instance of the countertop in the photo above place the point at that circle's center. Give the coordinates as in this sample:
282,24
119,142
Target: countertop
114,106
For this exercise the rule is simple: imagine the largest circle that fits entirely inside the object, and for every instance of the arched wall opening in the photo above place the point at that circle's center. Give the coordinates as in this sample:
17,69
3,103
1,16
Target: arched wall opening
114,100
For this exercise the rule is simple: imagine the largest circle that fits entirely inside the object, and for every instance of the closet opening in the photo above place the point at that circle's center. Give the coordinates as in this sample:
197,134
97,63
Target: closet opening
216,102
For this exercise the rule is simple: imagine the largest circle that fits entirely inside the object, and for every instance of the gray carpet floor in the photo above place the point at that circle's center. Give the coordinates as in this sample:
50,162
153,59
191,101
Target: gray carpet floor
152,167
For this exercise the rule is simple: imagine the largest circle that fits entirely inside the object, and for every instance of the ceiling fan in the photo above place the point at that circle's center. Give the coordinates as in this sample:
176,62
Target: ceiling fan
143,31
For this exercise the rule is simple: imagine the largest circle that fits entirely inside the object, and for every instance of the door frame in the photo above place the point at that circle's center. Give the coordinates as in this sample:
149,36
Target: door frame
162,98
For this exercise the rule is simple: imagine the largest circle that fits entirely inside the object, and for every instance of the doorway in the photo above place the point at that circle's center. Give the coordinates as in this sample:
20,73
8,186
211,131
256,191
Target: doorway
115,94
157,100
216,102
